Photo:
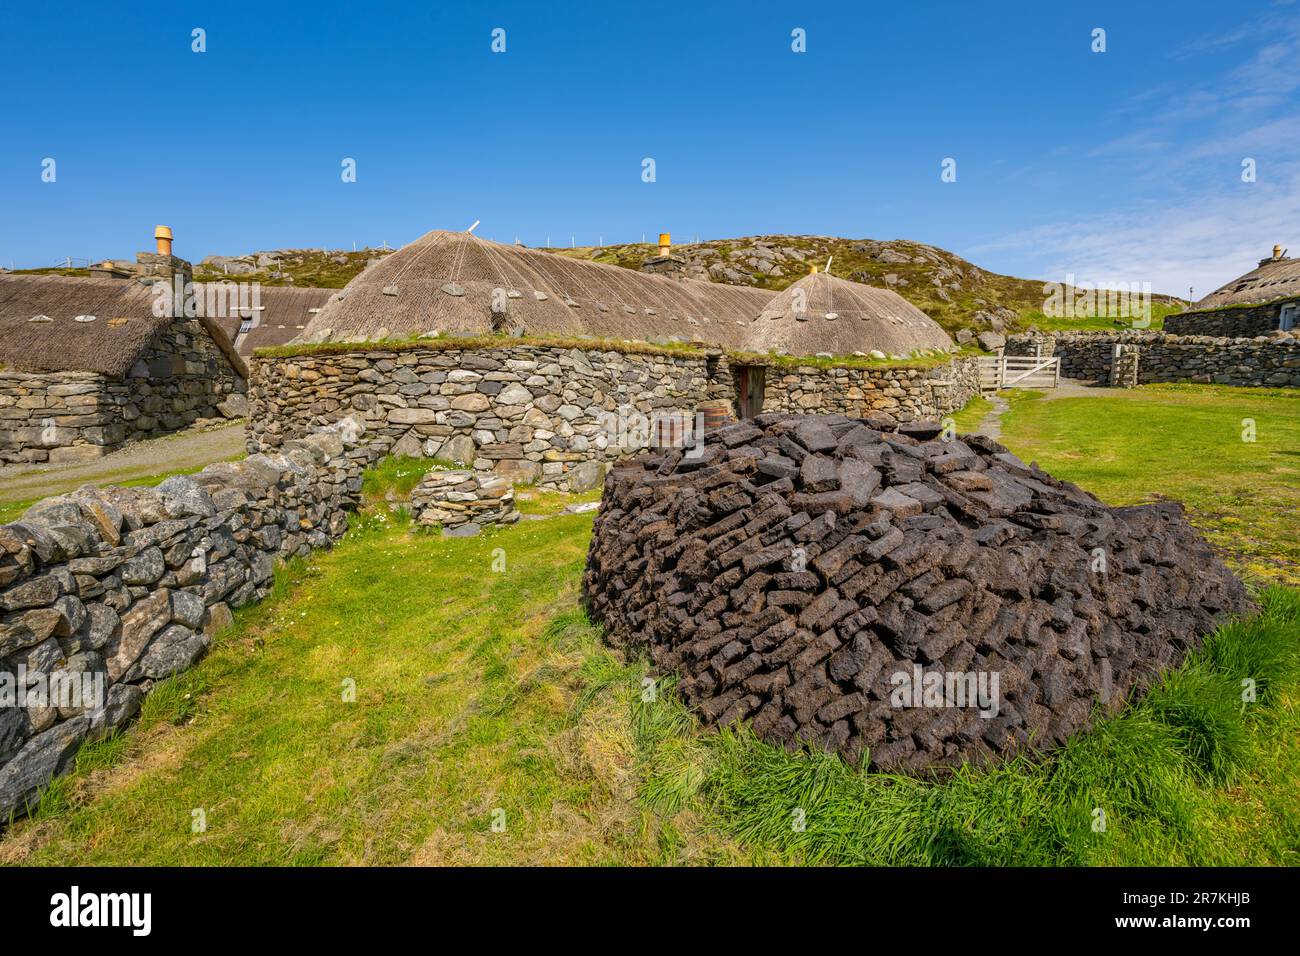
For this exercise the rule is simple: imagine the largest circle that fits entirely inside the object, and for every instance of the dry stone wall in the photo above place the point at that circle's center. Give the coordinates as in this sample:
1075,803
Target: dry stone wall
872,589
903,394
461,502
182,378
105,591
553,416
545,415
1236,322
1268,361
55,417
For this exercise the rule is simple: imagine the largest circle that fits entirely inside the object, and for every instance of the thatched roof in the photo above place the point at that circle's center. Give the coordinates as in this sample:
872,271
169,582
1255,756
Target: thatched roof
1273,279
285,313
822,313
124,323
446,281
123,327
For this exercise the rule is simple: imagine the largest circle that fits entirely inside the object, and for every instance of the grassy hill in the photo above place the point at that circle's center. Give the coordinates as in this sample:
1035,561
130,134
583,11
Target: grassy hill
951,290
306,268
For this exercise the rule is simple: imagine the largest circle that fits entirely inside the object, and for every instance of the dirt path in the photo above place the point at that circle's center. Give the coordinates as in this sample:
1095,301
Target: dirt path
178,452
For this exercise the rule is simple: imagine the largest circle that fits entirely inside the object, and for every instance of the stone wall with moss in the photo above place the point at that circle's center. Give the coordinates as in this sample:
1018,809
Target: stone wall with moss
1151,356
904,394
544,415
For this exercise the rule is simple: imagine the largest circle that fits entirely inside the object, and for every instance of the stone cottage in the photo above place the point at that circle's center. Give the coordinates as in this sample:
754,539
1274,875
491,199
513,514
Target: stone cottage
596,360
1264,300
86,365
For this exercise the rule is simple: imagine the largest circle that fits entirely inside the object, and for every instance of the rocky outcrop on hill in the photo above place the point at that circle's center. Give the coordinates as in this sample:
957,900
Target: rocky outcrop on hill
880,590
311,268
945,286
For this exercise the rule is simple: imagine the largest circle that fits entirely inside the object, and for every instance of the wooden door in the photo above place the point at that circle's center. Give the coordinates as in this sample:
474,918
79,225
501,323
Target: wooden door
751,380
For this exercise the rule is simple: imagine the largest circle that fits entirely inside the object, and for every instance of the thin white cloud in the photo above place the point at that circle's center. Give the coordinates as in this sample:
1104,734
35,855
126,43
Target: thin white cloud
1199,225
1173,247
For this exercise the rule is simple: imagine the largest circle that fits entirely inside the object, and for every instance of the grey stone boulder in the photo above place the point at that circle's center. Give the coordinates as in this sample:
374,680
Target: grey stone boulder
187,609
84,665
100,627
14,730
72,615
25,628
466,530
145,568
39,591
44,757
174,650
140,623
991,341
184,496
457,448
234,405
37,660
586,475
121,704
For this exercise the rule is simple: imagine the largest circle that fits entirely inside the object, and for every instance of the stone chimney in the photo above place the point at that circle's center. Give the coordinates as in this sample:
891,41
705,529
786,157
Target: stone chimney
162,264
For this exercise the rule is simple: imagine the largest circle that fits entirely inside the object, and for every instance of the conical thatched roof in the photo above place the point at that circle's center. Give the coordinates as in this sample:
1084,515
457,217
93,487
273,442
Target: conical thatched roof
1274,279
448,281
821,313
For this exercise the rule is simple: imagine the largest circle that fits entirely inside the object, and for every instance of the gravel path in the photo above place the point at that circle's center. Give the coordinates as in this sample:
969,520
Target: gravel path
179,452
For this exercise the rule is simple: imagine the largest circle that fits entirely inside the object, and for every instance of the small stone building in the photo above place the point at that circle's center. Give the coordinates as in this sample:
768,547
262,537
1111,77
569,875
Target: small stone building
86,365
595,359
1263,301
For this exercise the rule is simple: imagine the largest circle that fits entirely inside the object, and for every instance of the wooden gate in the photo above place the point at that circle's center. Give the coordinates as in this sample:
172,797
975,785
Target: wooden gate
1018,371
751,381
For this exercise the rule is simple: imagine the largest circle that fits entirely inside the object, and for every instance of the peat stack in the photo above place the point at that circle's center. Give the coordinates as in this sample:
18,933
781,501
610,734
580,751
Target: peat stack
866,587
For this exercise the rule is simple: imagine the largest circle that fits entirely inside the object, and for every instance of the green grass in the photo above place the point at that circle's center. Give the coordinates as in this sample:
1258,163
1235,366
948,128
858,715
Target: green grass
394,477
1047,323
480,691
1182,442
452,342
972,414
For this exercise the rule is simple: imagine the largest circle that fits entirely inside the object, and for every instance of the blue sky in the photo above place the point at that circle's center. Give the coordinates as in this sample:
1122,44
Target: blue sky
1122,165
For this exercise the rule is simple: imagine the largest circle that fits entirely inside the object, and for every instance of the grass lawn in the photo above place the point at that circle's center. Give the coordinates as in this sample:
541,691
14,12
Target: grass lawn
1184,442
492,726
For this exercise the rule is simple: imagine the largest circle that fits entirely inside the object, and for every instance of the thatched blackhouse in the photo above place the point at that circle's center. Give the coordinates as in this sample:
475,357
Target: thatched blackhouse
824,314
1264,300
87,364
